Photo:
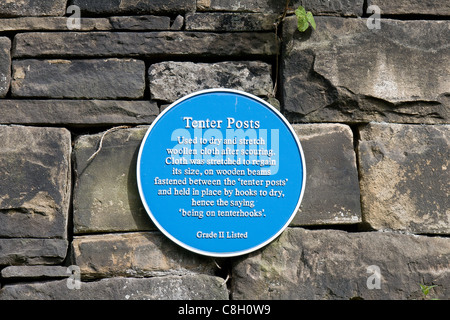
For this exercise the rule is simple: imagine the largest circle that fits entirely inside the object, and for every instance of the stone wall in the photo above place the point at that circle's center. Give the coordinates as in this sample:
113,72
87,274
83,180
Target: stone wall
371,107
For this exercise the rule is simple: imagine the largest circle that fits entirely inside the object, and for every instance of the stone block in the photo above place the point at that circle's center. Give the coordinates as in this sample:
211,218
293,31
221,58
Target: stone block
5,65
405,177
35,182
190,287
333,8
336,265
34,272
52,23
414,7
219,21
260,6
144,44
25,251
106,197
79,79
325,7
23,8
138,254
172,80
140,23
346,72
77,112
332,189
121,7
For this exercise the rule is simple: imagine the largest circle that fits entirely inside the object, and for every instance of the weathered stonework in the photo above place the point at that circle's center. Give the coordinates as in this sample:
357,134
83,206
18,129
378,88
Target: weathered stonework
5,68
170,81
144,44
135,254
121,7
106,198
404,177
87,88
332,189
18,8
335,265
344,71
417,7
200,287
35,182
26,251
79,79
77,112
230,21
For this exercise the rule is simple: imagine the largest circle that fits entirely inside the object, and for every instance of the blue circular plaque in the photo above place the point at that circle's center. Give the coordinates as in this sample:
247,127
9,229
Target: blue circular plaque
221,172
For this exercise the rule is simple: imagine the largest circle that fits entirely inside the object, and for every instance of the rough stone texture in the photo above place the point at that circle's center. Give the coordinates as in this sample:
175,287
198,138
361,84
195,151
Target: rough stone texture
106,197
135,254
417,7
133,6
199,287
331,264
146,44
214,21
172,80
262,6
92,79
77,112
34,272
147,22
332,188
35,181
51,23
141,23
335,7
405,178
344,71
17,8
5,65
23,251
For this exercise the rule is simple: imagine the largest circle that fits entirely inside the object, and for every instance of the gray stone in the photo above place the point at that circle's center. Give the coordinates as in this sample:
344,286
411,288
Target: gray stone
140,23
106,197
5,65
145,44
172,80
218,21
135,254
344,71
147,22
52,23
332,188
34,272
178,23
80,79
404,177
77,112
416,7
334,7
331,264
198,287
133,6
260,6
23,251
35,181
19,8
